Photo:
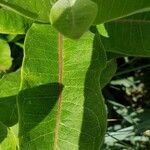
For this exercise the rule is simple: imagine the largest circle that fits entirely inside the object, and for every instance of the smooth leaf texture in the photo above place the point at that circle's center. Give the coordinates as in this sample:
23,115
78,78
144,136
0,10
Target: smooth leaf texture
5,56
40,8
8,139
9,87
73,17
108,72
61,107
114,9
129,36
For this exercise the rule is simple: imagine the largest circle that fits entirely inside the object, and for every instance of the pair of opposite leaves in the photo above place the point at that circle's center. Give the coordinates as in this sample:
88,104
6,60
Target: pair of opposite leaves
73,17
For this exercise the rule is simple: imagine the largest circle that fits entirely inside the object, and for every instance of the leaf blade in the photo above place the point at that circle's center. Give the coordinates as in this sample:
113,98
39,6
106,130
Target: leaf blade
43,127
129,36
109,11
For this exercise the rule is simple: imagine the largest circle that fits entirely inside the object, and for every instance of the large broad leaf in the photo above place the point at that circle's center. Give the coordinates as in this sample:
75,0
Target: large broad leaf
9,87
129,36
35,9
111,10
60,103
5,56
8,139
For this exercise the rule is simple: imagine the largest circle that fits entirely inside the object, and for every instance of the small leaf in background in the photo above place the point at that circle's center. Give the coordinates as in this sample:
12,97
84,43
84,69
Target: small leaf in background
102,30
5,56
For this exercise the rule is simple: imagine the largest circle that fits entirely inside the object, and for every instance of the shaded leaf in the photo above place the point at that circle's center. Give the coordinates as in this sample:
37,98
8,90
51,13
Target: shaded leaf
7,138
112,10
9,87
129,36
108,72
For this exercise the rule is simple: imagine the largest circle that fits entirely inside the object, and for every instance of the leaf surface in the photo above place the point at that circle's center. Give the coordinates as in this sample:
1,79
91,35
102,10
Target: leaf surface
108,72
5,56
61,107
9,87
14,24
73,17
114,9
129,36
30,8
8,139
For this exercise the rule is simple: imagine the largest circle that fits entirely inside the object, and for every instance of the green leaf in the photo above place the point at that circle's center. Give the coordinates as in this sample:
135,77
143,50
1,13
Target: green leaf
73,17
102,30
129,36
5,56
14,24
108,72
112,10
8,140
61,107
29,8
9,87
18,9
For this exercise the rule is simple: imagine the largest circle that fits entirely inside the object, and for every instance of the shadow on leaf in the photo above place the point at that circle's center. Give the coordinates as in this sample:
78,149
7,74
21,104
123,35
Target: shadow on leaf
8,111
94,117
3,132
35,109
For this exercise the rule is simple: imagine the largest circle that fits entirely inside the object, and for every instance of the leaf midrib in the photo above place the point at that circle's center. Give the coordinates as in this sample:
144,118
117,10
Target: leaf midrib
132,21
58,115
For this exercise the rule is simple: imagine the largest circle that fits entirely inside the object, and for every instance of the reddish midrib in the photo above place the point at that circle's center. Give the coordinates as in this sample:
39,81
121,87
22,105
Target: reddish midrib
58,115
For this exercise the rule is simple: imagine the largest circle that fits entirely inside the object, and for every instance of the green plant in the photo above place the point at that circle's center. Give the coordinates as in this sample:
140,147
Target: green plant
56,101
128,115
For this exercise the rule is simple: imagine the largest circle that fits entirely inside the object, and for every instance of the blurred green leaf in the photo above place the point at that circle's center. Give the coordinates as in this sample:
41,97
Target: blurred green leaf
5,56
